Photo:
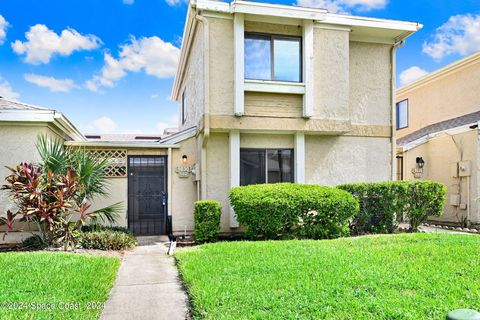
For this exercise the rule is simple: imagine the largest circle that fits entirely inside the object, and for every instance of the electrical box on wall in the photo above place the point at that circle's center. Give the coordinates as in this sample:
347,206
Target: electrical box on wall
455,200
196,172
465,168
454,170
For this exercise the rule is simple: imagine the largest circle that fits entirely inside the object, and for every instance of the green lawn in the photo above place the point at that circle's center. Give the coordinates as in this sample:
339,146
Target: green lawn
64,285
409,276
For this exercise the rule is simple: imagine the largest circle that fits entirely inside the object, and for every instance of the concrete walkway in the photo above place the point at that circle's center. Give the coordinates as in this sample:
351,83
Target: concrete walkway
147,287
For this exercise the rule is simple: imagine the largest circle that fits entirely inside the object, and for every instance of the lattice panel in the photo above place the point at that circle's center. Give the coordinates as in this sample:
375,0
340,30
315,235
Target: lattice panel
117,160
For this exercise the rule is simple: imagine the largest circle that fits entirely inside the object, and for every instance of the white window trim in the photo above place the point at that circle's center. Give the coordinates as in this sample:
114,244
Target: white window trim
274,86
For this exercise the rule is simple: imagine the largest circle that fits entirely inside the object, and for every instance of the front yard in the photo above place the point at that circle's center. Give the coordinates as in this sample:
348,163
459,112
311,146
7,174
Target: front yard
409,276
47,285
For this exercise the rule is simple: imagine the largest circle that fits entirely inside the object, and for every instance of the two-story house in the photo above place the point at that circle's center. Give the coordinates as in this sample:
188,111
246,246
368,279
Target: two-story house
438,136
267,93
286,94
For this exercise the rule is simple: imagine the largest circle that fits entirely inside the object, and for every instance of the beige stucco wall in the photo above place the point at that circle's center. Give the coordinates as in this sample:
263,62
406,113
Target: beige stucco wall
331,160
184,190
442,98
370,83
194,82
17,144
117,192
221,66
331,78
439,154
263,27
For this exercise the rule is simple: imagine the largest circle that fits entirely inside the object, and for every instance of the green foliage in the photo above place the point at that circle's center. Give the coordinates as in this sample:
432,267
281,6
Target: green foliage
50,284
424,198
286,210
34,242
406,276
106,239
207,220
382,204
52,192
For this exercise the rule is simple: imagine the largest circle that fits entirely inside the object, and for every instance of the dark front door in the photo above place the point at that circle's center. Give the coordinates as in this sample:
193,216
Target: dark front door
147,194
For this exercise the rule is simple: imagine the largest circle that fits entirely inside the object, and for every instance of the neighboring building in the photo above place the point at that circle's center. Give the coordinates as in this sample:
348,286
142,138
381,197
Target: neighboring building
267,93
437,121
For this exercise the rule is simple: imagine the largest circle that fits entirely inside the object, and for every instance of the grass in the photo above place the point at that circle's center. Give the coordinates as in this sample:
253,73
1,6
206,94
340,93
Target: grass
408,276
48,285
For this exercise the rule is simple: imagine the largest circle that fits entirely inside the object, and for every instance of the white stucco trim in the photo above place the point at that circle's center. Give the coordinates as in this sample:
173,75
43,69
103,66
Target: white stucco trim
234,159
274,86
114,144
308,68
169,182
299,156
239,74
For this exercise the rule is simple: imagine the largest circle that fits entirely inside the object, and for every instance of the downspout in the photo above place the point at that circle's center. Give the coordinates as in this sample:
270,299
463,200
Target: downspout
396,45
206,93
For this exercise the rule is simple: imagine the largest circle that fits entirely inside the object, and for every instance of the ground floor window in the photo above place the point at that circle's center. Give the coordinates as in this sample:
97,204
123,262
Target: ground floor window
266,166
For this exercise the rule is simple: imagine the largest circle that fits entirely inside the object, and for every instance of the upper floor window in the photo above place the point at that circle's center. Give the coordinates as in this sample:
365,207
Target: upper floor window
402,114
184,115
259,166
273,57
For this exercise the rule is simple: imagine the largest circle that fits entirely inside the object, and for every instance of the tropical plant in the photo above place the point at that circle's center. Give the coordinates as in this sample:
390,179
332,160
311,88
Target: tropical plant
57,193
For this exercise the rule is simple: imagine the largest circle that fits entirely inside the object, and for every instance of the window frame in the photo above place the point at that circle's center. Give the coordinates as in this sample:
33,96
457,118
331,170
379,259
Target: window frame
397,110
265,151
272,37
184,115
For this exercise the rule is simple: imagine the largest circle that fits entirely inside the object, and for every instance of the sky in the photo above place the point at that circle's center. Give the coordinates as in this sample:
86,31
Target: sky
109,65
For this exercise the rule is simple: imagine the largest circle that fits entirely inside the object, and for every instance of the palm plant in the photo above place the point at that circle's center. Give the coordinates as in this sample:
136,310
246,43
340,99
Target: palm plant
90,172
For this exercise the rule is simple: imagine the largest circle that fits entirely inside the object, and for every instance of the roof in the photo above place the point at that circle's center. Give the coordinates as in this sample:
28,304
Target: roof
19,112
123,137
180,136
440,73
468,119
6,104
362,28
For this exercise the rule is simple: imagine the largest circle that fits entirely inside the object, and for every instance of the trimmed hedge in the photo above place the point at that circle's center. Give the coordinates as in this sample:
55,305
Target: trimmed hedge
382,204
286,210
105,238
207,220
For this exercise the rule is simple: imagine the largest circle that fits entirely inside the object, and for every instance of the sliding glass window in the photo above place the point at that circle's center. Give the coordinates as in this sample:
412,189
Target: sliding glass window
273,57
259,166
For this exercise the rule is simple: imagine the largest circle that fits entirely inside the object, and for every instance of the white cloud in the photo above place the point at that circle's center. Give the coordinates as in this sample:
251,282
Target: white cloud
343,6
152,55
3,29
6,91
129,1
55,85
460,34
170,122
105,124
174,2
42,43
411,74
154,96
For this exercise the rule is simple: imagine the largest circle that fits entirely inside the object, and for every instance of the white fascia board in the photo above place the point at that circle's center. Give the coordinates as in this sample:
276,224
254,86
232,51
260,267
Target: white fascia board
114,144
27,115
266,9
428,137
67,127
348,20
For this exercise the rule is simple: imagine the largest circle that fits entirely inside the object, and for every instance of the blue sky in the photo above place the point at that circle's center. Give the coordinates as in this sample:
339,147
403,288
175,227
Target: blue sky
109,65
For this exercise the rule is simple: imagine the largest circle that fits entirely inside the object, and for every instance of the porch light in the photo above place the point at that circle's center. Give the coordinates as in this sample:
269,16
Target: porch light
420,162
184,158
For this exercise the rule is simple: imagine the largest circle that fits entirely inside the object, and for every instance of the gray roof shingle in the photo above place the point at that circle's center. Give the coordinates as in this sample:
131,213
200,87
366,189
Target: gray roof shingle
440,126
6,104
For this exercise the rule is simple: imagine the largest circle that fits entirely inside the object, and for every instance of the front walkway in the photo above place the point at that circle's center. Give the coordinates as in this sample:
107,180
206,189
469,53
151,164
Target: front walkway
147,287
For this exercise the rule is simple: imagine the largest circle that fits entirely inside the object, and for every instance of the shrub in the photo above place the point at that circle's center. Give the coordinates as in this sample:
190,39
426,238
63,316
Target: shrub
106,239
424,198
207,220
293,210
383,203
99,227
34,242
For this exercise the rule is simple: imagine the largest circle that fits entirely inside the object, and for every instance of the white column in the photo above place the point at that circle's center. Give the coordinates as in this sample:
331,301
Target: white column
234,157
299,155
239,76
308,68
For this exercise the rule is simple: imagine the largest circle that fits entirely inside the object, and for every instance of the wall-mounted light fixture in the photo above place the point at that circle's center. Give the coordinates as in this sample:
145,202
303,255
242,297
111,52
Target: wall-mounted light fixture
420,162
418,170
184,171
184,158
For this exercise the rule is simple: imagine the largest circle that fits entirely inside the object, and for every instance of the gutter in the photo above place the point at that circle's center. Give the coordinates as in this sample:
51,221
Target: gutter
114,144
398,44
